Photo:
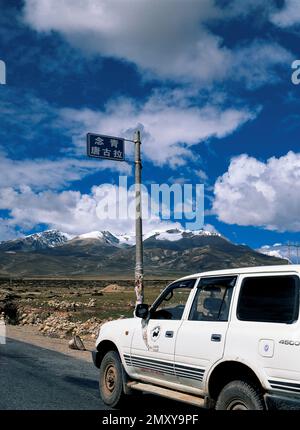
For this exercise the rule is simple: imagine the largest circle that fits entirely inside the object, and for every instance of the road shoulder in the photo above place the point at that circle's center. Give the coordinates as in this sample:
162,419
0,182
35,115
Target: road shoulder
31,335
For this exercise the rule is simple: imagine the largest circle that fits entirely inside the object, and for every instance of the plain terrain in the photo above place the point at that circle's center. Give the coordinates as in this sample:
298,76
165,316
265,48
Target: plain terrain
61,308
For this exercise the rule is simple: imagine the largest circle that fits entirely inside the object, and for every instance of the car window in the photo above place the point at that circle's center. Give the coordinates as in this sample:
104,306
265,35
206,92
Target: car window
269,299
172,302
212,300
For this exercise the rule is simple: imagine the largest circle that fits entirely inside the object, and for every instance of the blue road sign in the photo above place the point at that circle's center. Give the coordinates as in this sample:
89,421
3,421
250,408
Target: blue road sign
108,147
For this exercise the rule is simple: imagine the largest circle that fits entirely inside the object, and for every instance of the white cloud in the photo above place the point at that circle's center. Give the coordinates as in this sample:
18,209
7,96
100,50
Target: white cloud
7,232
170,124
51,174
201,175
168,39
210,228
258,8
288,15
71,211
257,64
262,194
27,117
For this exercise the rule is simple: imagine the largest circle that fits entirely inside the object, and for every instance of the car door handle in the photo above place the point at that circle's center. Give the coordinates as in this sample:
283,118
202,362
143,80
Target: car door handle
169,333
216,338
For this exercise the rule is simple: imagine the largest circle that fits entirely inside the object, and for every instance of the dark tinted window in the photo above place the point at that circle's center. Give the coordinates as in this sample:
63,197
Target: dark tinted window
212,300
269,299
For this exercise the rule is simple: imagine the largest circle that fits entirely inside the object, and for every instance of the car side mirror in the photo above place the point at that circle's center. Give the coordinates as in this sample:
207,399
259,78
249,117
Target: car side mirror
142,311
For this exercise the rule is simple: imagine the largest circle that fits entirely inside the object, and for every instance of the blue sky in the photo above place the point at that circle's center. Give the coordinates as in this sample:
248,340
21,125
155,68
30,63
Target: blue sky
208,83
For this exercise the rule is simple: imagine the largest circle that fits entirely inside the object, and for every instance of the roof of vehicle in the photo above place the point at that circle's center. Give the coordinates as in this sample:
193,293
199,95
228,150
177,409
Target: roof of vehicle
245,270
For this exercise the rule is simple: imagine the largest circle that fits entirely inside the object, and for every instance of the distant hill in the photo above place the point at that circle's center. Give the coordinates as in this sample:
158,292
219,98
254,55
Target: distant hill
166,253
36,242
285,251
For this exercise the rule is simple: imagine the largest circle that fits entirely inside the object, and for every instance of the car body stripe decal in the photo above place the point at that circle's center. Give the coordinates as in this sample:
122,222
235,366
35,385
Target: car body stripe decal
286,386
166,367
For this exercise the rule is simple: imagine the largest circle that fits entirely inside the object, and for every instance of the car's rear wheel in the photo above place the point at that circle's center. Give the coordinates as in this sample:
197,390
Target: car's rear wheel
110,381
240,396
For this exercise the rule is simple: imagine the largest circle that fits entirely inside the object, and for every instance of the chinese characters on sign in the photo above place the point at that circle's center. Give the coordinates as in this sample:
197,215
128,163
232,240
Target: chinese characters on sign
99,146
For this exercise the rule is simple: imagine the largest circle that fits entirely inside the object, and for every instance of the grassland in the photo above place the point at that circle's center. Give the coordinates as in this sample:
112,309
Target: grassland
77,300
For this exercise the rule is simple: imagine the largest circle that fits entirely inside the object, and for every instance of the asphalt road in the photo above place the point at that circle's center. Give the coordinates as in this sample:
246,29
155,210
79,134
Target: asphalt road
36,378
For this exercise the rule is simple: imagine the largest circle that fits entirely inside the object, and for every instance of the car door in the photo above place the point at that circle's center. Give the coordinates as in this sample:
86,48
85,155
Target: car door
201,336
153,342
265,329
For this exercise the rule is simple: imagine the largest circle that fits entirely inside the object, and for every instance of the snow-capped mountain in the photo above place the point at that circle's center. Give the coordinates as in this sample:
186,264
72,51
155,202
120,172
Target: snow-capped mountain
37,241
166,252
55,238
125,239
121,240
118,240
91,235
285,251
49,238
174,235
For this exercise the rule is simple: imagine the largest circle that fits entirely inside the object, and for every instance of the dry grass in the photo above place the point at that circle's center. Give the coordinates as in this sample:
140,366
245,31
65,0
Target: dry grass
113,304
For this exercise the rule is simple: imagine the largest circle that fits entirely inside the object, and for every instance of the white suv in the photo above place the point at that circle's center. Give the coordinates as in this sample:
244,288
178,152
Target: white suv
225,339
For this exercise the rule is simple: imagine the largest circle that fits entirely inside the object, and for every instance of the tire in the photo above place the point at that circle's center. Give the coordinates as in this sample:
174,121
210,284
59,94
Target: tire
110,380
240,395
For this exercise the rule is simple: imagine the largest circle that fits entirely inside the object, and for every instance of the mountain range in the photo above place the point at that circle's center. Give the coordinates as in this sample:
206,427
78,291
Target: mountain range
101,253
287,251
